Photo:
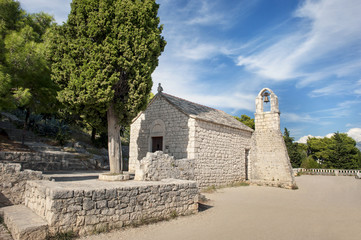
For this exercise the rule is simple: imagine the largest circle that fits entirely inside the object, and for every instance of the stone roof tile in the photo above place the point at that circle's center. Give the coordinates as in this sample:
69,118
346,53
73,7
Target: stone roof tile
205,113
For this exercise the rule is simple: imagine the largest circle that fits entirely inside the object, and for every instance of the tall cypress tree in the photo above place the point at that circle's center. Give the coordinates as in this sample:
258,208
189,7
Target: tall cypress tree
292,149
103,58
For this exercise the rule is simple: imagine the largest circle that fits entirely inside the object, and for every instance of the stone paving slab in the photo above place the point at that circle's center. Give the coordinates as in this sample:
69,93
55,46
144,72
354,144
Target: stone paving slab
94,184
23,223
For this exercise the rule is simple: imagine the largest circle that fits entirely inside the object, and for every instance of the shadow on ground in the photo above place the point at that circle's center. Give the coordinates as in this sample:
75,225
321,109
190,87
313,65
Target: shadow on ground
203,207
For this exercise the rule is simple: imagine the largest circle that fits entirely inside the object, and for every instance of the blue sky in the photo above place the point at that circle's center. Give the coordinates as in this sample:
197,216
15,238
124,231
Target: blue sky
222,53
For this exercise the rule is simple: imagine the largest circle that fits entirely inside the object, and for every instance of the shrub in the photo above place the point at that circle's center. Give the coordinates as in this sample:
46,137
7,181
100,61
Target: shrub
309,162
62,236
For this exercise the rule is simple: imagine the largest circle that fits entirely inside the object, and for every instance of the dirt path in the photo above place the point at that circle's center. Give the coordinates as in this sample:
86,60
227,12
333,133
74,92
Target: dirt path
323,208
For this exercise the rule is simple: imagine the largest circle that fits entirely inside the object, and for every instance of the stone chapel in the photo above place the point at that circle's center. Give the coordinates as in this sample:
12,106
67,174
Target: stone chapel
224,150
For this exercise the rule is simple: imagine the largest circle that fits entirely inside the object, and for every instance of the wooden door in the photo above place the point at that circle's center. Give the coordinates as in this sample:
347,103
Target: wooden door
157,144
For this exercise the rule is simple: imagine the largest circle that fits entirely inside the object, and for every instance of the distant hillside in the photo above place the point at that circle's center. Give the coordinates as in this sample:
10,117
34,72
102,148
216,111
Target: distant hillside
358,145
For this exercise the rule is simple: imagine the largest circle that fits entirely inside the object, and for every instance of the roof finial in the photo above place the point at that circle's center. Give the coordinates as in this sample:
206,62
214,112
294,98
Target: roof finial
160,89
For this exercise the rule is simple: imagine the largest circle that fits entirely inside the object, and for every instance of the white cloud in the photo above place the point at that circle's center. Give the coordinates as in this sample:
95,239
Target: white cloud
328,27
355,133
184,66
293,117
304,138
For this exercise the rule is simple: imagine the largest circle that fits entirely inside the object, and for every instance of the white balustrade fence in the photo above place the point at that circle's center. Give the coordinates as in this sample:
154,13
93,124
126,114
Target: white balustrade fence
331,172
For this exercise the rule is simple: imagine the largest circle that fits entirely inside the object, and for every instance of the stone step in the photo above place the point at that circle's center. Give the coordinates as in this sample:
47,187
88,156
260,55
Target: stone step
23,223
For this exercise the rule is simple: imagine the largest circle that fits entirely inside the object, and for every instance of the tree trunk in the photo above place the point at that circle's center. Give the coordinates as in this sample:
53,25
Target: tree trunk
114,143
27,116
94,132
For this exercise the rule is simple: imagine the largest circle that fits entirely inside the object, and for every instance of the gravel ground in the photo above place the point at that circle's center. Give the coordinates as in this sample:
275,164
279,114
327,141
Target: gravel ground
324,207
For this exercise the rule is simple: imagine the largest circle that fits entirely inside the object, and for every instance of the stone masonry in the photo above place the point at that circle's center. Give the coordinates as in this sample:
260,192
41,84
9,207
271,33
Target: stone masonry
162,117
215,140
269,159
86,207
13,181
43,161
220,153
157,166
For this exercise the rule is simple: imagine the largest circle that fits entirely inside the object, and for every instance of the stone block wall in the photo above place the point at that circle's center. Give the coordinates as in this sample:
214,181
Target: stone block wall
42,161
90,206
175,137
157,166
13,181
269,159
220,153
267,121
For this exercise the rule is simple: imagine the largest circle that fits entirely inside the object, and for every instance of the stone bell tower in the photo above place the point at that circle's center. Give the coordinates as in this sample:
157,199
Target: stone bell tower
269,161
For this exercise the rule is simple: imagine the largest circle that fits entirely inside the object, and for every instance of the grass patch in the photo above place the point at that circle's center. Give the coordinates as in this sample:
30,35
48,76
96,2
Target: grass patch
173,214
210,189
151,220
213,188
62,236
294,187
101,229
1,220
238,184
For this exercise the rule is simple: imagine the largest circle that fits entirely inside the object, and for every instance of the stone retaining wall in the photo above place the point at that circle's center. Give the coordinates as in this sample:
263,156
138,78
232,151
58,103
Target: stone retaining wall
13,181
157,166
92,206
42,161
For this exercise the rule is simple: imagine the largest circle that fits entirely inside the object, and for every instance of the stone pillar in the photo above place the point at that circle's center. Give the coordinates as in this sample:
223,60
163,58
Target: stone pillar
269,161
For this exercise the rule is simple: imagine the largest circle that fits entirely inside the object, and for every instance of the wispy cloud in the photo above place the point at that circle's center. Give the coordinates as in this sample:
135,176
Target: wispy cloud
294,117
185,64
327,28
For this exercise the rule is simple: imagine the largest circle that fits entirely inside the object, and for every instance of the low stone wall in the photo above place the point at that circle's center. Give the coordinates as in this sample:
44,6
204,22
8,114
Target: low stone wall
330,172
41,161
157,166
92,206
13,181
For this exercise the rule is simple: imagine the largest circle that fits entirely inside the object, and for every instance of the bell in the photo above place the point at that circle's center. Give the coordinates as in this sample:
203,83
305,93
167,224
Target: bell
266,99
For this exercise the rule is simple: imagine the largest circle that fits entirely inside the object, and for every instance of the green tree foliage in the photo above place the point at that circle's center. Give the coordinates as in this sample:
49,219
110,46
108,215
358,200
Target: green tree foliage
103,58
24,73
339,151
246,120
105,54
309,162
295,150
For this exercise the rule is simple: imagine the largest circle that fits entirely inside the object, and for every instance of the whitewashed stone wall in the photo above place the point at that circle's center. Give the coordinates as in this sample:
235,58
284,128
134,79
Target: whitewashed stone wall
94,206
13,181
157,166
175,139
220,153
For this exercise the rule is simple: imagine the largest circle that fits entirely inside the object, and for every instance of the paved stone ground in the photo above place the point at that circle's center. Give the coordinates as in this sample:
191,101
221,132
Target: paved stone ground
4,233
324,207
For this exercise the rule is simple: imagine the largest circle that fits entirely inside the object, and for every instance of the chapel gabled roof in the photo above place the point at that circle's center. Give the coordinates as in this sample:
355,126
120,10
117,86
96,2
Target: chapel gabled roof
204,113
